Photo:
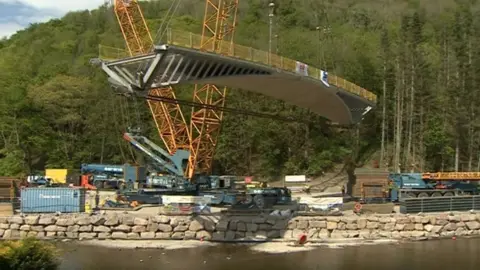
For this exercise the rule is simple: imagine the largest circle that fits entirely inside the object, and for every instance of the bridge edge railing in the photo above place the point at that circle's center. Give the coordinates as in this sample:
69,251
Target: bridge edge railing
194,41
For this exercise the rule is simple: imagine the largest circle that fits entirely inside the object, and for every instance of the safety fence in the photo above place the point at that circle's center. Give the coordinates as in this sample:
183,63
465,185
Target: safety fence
9,206
194,41
439,204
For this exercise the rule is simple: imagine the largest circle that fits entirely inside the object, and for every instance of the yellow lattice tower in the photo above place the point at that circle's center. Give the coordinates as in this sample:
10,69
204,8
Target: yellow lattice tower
217,35
168,117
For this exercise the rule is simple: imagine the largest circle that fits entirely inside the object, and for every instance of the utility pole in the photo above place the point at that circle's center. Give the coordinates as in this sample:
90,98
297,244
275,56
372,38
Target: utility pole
271,8
326,34
276,44
318,47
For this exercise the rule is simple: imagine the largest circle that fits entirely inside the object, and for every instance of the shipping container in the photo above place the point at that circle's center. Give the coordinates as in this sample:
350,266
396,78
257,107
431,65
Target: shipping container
58,176
51,200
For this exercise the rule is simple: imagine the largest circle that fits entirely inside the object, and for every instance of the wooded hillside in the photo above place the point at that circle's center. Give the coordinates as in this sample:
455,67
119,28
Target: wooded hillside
421,57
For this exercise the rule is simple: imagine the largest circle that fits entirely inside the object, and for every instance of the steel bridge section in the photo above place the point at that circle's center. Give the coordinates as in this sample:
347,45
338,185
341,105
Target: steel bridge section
171,65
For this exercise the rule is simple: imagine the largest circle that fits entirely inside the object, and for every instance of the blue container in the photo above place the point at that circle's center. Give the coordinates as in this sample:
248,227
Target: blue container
51,200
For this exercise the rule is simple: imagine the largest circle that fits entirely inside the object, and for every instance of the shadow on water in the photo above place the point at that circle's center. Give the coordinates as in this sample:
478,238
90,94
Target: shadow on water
445,254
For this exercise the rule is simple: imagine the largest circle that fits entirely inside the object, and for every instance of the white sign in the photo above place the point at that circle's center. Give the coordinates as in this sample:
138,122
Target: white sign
367,110
324,78
170,199
322,203
301,68
295,178
49,196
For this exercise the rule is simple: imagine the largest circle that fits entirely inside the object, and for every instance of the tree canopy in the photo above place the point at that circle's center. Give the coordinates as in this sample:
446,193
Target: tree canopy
420,57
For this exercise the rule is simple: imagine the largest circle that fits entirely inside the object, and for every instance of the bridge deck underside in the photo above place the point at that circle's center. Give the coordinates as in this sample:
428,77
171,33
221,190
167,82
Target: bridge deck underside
174,65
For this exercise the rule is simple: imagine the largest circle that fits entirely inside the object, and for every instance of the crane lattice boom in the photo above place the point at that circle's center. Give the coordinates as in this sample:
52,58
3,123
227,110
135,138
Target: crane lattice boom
168,118
451,176
218,31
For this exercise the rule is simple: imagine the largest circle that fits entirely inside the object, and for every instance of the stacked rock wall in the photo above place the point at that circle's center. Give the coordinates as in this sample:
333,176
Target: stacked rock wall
385,226
238,228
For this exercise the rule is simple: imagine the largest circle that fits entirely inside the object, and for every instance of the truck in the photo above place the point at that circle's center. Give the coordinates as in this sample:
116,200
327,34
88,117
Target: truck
421,185
116,176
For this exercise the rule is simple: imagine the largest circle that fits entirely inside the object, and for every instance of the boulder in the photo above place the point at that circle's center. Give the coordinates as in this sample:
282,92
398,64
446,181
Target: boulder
164,227
65,222
203,235
147,235
46,221
163,235
140,221
86,235
101,229
119,235
15,220
31,220
112,220
97,220
138,228
122,228
162,219
196,225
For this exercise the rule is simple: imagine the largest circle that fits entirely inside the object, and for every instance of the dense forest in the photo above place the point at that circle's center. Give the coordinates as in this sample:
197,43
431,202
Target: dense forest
422,59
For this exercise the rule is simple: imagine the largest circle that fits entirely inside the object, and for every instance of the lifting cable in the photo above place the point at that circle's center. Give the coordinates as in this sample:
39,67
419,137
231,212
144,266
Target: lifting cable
113,101
126,116
235,111
137,113
166,22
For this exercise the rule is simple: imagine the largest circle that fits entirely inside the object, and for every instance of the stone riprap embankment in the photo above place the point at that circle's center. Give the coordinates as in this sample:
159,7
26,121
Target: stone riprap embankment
239,228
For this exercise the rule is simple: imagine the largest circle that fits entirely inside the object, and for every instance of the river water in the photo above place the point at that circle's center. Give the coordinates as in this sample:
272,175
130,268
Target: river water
443,254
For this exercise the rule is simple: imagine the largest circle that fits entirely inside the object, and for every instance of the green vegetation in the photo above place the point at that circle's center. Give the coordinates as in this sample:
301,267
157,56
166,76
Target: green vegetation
421,57
27,254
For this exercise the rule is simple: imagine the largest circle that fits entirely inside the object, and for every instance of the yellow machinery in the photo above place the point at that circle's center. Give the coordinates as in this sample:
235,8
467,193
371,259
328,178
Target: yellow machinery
58,176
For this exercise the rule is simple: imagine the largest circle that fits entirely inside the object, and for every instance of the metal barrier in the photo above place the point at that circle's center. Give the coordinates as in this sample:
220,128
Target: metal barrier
194,41
9,206
439,204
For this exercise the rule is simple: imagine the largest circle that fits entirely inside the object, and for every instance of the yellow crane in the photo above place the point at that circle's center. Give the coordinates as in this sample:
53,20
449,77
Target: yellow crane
217,34
168,117
201,136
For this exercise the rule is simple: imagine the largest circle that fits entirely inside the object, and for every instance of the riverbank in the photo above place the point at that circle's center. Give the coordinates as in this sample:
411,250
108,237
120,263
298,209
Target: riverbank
240,228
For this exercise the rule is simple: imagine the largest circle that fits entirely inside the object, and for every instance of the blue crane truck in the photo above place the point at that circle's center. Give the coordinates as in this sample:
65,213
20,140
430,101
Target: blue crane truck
166,171
114,176
421,185
167,178
167,175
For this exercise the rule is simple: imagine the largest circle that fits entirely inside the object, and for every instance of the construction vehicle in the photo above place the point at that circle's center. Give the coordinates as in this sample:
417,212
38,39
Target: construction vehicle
266,197
167,171
220,189
115,176
421,185
167,176
58,176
